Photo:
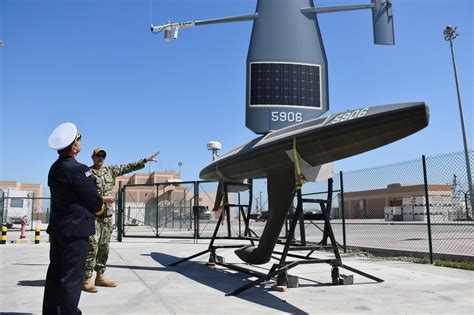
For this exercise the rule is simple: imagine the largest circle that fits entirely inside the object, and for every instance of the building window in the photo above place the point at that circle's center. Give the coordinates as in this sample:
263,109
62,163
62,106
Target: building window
396,203
16,203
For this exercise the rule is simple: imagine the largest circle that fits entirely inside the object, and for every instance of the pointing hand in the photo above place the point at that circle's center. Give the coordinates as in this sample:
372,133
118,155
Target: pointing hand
152,157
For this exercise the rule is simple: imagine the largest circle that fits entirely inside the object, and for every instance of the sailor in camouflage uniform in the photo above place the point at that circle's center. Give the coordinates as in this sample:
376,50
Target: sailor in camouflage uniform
104,178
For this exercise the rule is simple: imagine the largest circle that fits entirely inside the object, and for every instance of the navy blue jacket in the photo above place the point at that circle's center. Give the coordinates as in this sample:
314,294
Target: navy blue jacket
74,199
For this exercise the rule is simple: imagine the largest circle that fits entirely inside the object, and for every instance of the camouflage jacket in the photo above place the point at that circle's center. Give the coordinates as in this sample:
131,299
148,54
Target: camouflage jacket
105,178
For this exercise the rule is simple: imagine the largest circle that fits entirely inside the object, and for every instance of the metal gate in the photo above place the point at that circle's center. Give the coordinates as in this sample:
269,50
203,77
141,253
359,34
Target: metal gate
173,209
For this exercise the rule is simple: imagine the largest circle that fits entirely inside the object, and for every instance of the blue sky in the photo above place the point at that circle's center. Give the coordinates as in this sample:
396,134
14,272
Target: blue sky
96,63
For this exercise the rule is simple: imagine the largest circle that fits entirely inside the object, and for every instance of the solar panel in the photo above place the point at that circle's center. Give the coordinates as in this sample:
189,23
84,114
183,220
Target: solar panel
285,84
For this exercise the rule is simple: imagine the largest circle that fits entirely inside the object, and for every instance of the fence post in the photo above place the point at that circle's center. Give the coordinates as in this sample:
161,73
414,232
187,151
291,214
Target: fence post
240,214
342,212
157,219
32,210
191,211
172,214
1,208
165,207
196,213
32,213
428,216
120,213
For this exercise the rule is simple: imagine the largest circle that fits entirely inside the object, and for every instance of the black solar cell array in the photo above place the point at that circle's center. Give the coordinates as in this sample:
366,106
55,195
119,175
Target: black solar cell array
285,84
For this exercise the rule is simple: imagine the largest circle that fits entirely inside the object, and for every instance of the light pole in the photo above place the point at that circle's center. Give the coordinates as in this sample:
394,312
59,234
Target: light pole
449,35
179,165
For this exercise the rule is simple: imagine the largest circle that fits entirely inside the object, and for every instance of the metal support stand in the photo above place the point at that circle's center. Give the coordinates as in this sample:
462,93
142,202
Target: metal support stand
223,194
280,270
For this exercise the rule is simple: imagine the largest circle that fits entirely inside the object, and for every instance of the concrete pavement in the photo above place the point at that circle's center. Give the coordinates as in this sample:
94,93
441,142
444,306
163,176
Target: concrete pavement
147,286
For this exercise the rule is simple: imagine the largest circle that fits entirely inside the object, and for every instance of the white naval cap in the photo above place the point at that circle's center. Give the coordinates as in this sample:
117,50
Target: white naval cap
63,136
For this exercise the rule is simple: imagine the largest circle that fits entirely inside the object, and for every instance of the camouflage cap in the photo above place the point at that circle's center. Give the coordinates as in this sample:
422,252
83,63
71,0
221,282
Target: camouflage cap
97,150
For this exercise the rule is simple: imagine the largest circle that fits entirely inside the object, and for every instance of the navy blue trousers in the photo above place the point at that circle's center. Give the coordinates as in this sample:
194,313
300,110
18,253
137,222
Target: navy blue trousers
65,276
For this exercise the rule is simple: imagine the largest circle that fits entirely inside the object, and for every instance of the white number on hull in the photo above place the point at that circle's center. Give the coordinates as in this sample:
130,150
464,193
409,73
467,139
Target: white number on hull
350,115
287,116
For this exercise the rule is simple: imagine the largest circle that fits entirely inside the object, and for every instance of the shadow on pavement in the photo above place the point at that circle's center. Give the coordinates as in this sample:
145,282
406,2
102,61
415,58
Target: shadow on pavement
223,280
31,283
217,278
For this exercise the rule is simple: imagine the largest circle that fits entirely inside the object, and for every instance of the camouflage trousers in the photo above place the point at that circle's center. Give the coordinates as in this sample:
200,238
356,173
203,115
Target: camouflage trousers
99,247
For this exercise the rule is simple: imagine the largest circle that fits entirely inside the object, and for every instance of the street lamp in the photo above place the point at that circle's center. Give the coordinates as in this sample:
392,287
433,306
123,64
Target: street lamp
449,35
179,165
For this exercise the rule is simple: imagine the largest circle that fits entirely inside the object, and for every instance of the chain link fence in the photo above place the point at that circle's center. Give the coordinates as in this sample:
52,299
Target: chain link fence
158,210
418,208
180,210
14,209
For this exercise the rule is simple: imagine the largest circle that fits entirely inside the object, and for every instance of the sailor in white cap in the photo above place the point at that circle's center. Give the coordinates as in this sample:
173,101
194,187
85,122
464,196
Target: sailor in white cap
74,200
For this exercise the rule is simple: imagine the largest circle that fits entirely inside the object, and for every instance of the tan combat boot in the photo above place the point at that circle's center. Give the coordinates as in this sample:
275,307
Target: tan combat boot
102,281
89,286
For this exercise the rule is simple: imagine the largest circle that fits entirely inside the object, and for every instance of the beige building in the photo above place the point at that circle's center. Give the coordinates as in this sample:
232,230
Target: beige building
370,204
20,199
146,189
36,189
17,193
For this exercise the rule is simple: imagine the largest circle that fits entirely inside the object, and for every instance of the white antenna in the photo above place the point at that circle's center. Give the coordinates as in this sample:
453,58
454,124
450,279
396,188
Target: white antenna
214,146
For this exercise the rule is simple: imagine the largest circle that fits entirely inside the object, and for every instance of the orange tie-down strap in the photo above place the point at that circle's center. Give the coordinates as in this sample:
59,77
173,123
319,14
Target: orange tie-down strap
300,180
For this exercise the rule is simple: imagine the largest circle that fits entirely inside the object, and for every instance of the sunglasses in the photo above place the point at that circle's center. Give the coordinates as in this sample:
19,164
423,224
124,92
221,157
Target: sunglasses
100,155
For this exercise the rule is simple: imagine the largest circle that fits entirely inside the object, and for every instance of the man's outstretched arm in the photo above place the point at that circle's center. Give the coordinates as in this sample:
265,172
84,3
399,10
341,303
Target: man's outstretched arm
119,170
